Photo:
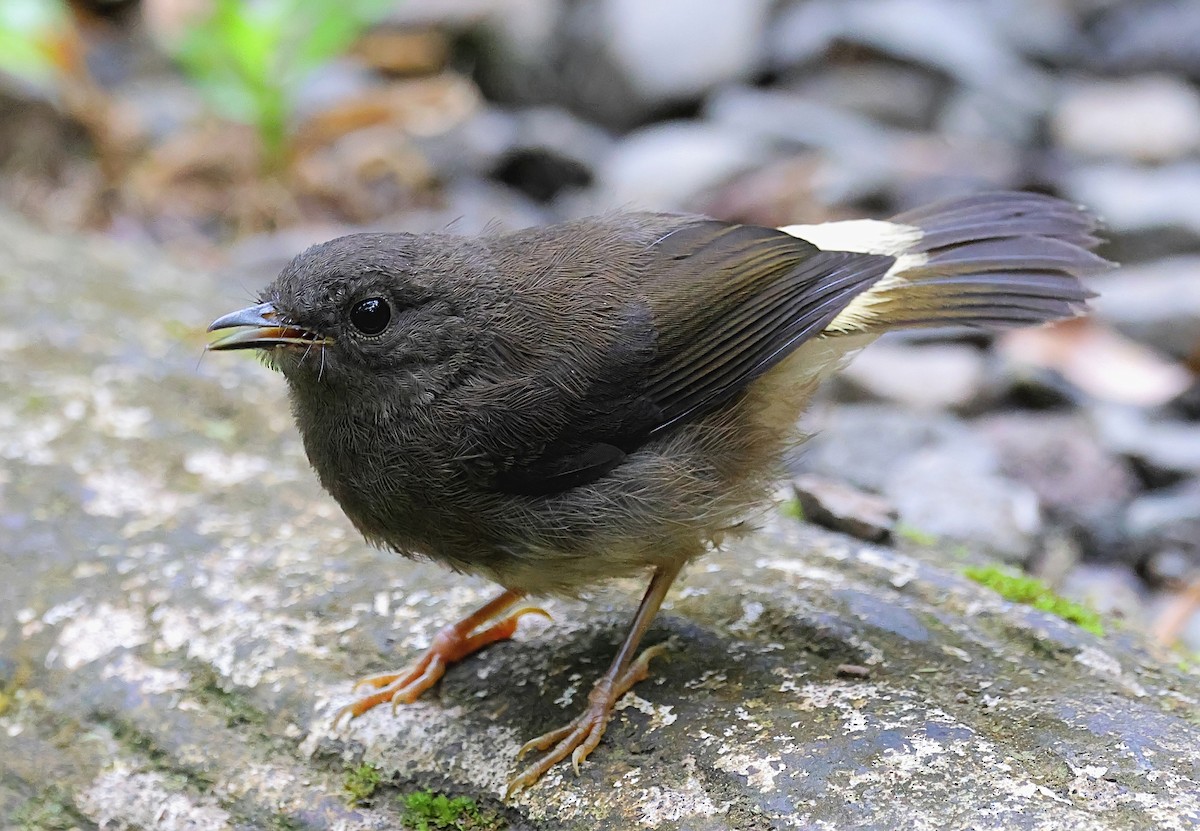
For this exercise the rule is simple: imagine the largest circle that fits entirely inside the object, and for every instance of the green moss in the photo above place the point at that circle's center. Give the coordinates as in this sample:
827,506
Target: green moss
1020,588
427,811
50,810
361,782
282,822
11,687
239,712
792,509
907,532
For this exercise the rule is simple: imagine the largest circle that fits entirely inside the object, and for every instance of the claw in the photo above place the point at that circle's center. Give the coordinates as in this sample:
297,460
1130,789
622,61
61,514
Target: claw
579,738
450,645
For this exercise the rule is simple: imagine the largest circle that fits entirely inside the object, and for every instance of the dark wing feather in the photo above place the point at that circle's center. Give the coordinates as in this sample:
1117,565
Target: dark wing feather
716,306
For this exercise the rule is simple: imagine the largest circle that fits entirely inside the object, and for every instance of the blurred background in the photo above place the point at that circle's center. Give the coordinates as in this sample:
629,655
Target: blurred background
230,135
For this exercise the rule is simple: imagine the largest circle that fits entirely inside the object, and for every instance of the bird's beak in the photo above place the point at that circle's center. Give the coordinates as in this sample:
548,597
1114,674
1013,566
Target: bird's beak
263,328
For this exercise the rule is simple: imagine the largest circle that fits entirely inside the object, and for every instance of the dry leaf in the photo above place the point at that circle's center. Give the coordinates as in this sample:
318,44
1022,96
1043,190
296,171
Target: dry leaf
1100,361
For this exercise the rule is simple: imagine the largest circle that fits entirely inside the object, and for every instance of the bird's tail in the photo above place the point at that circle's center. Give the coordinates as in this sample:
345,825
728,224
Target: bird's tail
990,260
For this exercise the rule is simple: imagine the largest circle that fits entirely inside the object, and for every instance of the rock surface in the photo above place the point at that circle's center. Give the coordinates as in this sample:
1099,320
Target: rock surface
181,610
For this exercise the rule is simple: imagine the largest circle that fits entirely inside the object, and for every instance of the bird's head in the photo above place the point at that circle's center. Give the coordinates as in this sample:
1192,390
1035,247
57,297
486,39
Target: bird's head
360,312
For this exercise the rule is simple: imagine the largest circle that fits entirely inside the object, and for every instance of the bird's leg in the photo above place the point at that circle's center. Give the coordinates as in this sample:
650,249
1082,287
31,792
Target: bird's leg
450,645
581,736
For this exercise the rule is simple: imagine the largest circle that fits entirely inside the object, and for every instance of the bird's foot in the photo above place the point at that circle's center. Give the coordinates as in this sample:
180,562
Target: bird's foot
450,645
581,736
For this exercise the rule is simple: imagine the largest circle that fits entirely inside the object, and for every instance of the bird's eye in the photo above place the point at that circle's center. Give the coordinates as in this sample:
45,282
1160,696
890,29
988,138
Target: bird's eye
371,316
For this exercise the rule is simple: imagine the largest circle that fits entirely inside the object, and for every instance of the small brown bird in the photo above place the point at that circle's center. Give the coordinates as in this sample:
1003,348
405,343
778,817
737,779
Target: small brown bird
558,406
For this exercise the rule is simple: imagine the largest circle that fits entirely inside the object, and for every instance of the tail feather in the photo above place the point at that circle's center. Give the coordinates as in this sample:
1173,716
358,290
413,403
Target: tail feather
1066,228
992,260
1032,283
1028,253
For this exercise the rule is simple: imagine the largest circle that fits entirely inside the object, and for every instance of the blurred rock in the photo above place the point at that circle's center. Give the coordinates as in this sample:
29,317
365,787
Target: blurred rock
1138,199
836,505
552,151
931,377
332,85
890,92
674,50
972,113
1036,388
37,139
1150,118
861,443
955,38
1169,567
1149,35
541,173
955,498
537,149
620,61
943,477
861,159
1187,404
863,154
474,146
1112,590
667,166
467,206
778,193
1164,451
1035,27
1165,527
951,37
787,117
1062,459
1156,303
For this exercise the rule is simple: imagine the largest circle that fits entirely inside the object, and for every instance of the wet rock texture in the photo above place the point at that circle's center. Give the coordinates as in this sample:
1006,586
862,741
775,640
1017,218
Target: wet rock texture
181,610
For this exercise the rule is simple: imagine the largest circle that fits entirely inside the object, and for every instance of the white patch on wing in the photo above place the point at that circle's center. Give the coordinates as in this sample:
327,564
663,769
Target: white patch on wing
863,236
866,236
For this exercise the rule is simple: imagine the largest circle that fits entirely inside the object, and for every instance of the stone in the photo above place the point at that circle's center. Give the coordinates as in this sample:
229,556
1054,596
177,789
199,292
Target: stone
930,377
939,496
943,478
1062,458
182,610
618,62
862,155
858,158
840,507
1113,590
1034,27
1135,199
674,50
1160,35
949,36
1163,527
552,151
1156,303
1161,510
904,96
860,443
669,165
1169,567
955,38
1164,450
1110,119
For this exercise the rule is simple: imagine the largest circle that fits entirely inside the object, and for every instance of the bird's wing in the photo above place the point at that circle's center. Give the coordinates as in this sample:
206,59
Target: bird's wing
716,306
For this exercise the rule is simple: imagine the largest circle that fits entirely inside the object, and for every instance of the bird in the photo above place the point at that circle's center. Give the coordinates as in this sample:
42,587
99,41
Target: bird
554,407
